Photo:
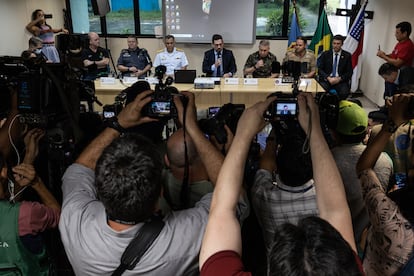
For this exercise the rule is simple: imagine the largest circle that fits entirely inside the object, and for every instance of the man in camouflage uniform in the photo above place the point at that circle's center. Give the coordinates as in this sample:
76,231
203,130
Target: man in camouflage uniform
173,58
259,64
305,56
134,61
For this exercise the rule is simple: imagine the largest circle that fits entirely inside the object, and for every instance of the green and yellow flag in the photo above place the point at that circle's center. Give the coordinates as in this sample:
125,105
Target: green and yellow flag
322,38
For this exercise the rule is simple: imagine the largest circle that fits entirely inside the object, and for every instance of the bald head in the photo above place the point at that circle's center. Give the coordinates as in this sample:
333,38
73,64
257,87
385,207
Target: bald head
93,39
176,152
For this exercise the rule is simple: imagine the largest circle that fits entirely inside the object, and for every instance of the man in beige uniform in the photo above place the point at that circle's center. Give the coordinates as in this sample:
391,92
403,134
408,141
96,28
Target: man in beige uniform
305,56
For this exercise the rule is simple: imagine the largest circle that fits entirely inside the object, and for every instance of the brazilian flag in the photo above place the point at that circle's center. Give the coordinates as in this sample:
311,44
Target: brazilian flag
322,38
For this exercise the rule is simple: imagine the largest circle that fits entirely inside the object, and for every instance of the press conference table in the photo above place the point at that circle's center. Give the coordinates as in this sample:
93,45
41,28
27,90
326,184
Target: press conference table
223,93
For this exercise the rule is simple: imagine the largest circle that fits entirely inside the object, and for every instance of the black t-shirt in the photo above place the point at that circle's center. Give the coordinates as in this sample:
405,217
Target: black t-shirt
93,71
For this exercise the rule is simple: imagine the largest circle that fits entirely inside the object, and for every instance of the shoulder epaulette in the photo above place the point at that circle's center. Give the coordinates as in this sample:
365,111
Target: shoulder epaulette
124,50
179,50
160,51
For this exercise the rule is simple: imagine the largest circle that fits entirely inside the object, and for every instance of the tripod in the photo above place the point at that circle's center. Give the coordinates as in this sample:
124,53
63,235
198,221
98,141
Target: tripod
110,57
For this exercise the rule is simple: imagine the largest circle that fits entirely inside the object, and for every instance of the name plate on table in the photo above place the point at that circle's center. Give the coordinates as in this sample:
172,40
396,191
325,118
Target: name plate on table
231,81
107,80
304,84
278,81
152,80
250,81
130,80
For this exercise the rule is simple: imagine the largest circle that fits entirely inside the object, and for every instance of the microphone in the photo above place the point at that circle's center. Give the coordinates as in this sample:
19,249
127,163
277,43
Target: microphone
275,67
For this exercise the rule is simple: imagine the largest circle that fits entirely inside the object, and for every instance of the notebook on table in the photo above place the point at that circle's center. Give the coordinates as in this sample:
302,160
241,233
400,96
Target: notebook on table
184,76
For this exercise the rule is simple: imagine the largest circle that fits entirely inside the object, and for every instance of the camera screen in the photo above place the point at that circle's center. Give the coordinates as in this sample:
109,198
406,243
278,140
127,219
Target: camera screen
213,110
162,108
286,108
108,114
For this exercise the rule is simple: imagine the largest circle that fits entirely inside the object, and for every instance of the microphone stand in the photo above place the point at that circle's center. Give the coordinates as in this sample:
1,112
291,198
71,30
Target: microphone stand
110,57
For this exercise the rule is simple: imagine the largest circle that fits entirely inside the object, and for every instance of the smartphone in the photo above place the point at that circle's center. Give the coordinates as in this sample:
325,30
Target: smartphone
48,16
379,47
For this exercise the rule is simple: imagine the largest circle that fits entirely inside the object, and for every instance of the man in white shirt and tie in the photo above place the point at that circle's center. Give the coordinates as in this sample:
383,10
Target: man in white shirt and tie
335,69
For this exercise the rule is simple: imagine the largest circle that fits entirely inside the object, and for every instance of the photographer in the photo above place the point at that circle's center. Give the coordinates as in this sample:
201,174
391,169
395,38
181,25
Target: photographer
348,135
390,238
100,218
283,189
330,247
23,247
185,173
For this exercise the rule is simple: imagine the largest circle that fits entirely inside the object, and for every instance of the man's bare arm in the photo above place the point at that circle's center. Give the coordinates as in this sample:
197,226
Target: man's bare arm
330,191
223,229
129,116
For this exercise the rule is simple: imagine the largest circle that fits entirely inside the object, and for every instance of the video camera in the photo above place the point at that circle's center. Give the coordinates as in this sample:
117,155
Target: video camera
162,104
229,114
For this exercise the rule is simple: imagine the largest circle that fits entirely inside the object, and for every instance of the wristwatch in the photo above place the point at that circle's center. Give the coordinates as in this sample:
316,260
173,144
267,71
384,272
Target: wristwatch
390,126
113,123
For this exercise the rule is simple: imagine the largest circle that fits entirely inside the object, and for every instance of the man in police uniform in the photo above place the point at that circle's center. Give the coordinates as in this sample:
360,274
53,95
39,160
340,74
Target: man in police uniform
173,58
259,64
134,61
305,56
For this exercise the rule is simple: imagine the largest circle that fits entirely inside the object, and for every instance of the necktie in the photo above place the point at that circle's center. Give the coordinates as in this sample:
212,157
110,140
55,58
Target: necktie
218,69
335,64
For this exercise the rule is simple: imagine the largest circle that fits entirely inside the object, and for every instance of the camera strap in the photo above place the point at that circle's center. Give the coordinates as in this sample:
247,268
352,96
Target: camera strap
140,244
185,188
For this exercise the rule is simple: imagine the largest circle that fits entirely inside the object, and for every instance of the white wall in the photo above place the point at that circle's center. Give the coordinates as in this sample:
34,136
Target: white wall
381,31
16,14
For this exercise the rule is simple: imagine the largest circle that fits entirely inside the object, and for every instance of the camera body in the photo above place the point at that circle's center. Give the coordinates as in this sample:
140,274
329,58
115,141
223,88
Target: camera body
111,110
162,104
229,114
286,124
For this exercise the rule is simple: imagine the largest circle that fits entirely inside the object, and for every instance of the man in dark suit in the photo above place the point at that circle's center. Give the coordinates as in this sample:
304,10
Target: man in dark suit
335,68
395,76
219,62
285,110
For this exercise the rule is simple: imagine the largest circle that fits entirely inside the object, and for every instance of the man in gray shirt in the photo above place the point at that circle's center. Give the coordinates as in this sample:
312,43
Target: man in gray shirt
114,187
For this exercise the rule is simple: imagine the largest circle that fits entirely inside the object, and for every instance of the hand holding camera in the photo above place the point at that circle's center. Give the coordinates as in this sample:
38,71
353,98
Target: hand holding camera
162,104
401,108
132,115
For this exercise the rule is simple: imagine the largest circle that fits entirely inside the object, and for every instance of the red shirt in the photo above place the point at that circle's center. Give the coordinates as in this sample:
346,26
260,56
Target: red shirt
224,263
404,50
228,263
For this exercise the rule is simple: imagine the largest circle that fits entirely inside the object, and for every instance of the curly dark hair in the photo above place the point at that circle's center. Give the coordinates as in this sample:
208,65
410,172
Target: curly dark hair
313,247
128,178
